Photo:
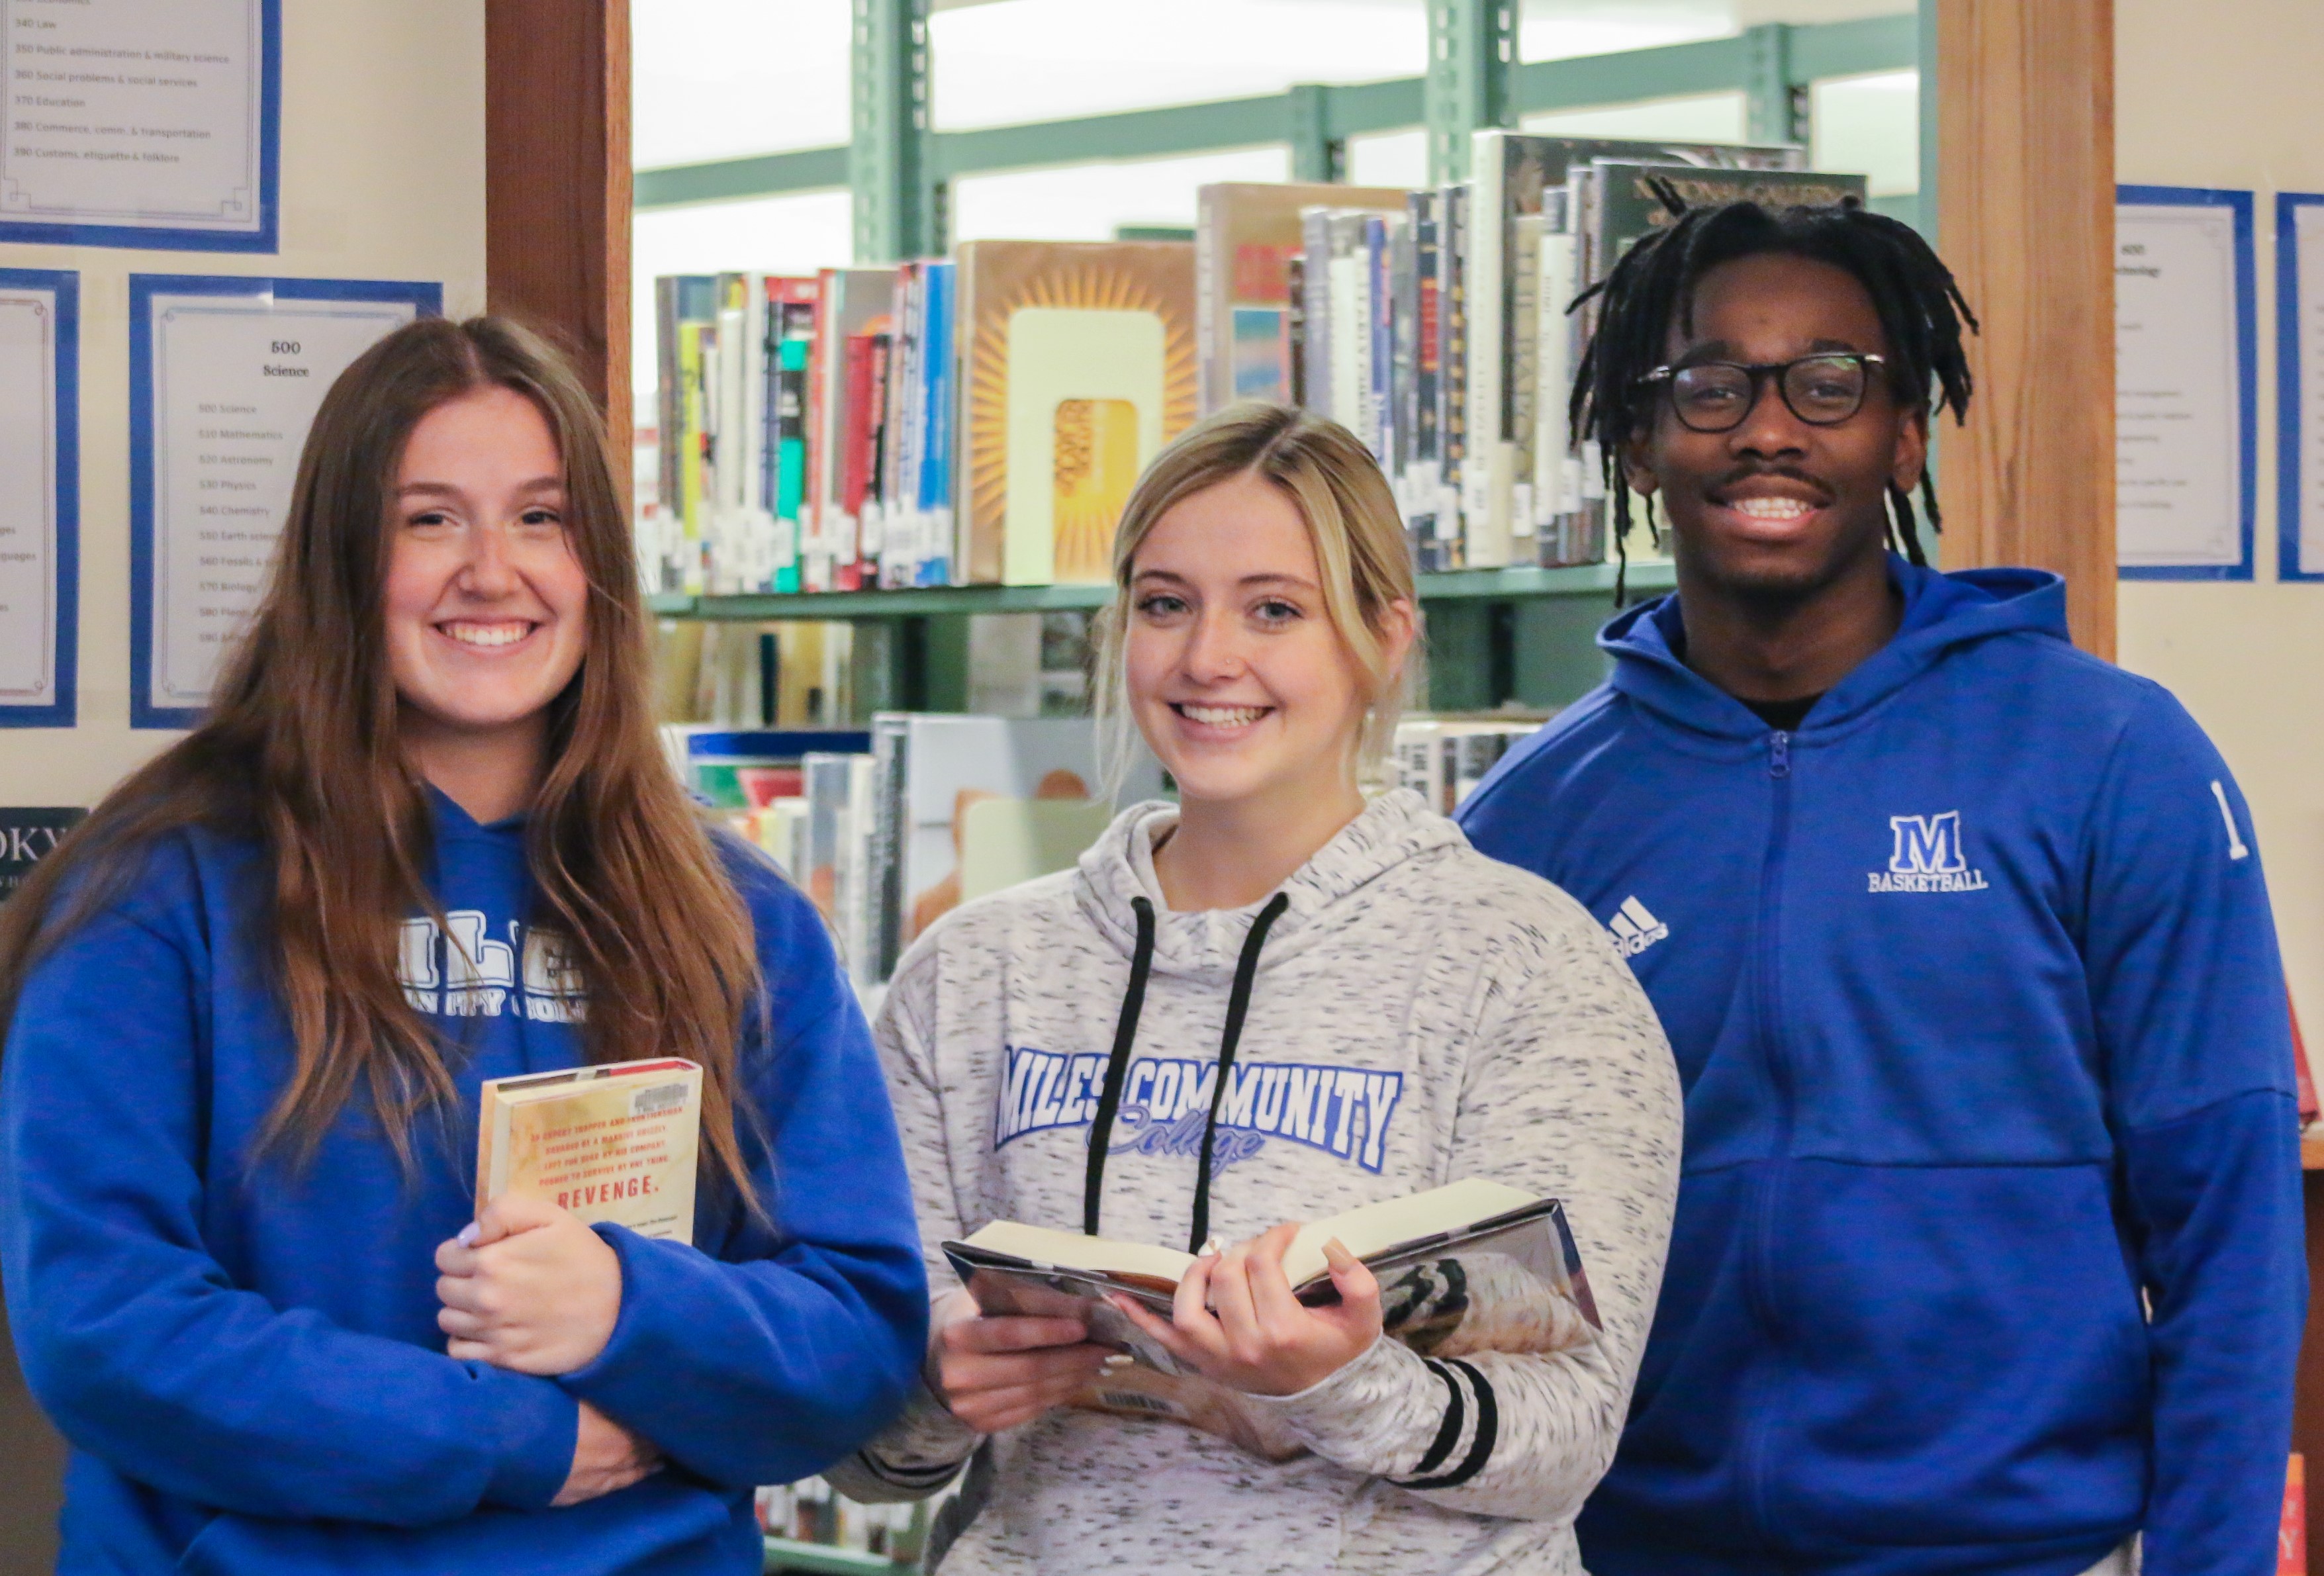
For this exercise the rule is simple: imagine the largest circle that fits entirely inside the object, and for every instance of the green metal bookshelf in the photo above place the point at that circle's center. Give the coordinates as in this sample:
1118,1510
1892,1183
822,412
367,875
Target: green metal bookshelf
784,1554
1495,636
1511,584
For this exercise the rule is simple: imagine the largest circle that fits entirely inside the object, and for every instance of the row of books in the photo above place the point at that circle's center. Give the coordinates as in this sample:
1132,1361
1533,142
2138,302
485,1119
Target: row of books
982,419
811,1512
1434,324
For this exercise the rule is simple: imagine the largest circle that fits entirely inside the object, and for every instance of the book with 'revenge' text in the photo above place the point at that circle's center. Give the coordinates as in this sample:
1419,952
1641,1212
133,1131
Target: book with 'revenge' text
1474,1265
616,1143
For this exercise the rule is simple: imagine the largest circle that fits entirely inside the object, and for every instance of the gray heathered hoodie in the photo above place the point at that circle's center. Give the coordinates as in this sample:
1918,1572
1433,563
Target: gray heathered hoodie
1418,1014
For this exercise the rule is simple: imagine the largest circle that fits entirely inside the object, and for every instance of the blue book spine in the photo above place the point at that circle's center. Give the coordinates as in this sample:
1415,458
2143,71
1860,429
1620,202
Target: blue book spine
938,357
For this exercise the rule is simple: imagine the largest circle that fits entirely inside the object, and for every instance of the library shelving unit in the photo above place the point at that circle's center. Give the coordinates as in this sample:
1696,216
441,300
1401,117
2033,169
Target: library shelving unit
787,1554
1521,634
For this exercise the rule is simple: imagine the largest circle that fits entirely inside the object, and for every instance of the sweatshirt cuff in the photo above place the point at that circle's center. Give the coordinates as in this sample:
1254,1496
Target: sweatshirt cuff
536,1426
924,1447
1342,1416
634,1339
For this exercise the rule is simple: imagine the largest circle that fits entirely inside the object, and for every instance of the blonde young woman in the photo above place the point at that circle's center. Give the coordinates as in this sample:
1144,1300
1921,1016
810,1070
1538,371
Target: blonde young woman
425,837
1403,1013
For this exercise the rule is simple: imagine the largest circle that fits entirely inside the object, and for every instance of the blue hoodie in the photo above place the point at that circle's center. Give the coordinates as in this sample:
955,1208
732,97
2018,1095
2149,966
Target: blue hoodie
1976,1000
244,1357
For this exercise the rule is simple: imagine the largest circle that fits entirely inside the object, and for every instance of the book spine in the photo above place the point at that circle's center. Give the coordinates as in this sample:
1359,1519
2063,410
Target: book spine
1214,318
818,510
790,460
1453,438
1294,330
937,459
1315,230
871,521
891,750
1379,319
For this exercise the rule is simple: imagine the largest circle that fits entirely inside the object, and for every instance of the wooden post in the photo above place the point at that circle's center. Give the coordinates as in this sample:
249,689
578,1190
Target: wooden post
2026,199
556,185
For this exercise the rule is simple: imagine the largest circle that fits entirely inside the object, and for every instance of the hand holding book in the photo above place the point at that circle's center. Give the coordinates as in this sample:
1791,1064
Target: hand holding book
528,1288
1236,1321
1002,1370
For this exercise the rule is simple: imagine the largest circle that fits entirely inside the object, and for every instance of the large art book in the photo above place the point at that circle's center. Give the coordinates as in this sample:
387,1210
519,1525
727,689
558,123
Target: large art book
614,1143
1077,364
1475,1266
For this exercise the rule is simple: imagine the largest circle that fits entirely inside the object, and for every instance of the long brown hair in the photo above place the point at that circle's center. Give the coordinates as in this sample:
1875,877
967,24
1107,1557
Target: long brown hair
300,753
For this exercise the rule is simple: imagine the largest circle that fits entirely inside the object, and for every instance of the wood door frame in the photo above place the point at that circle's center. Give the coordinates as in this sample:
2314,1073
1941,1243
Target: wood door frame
557,186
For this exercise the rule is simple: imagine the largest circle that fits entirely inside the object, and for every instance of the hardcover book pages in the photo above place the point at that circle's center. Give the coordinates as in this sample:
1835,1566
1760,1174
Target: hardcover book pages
615,1143
1077,364
1472,1266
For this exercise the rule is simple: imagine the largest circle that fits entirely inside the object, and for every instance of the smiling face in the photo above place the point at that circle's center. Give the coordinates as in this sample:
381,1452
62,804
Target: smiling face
486,601
1776,507
1236,676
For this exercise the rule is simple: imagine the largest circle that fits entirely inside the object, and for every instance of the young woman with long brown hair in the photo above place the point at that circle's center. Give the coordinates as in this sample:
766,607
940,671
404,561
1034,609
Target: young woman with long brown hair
425,837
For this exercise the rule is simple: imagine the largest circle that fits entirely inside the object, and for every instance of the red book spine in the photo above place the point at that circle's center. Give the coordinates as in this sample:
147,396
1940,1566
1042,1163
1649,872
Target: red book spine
855,432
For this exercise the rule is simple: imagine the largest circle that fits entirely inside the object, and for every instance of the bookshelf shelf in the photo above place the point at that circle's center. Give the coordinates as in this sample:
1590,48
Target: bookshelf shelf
1514,584
783,1554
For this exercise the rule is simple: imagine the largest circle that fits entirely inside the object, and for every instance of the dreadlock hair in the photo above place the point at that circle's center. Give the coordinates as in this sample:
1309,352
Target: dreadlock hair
1921,308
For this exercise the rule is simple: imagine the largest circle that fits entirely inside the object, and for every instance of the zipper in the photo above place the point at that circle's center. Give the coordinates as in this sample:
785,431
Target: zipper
1760,1279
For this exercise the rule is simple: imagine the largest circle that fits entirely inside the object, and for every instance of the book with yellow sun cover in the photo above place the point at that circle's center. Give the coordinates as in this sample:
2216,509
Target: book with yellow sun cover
1078,366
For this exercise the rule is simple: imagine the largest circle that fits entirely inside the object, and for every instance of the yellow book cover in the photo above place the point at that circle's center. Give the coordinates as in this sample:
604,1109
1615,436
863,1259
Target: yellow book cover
613,1143
1078,366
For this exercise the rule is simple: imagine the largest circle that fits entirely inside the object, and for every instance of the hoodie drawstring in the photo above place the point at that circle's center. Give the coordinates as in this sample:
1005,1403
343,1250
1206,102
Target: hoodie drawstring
1117,1066
1125,1035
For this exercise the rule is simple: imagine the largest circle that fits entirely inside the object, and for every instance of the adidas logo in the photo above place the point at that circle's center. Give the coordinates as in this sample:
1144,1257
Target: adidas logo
1634,929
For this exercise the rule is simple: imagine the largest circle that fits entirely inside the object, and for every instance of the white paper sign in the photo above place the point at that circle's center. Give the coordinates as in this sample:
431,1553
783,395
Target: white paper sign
29,531
237,382
2178,389
2307,341
136,115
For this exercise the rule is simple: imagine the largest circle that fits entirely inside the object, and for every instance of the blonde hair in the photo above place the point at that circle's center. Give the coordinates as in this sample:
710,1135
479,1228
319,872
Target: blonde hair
1352,523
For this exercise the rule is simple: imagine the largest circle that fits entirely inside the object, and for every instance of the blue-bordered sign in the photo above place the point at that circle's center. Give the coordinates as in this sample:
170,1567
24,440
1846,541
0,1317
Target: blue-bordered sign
2182,460
225,376
40,497
2298,347
152,124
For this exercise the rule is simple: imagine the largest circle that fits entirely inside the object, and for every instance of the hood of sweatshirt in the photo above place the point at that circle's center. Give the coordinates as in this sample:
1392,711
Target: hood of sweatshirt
1118,868
1941,612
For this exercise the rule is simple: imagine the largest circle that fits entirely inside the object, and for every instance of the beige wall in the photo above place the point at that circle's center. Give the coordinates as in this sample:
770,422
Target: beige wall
2224,96
383,177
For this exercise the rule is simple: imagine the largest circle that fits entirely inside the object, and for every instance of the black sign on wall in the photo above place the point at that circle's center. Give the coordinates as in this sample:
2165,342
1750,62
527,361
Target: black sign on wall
26,838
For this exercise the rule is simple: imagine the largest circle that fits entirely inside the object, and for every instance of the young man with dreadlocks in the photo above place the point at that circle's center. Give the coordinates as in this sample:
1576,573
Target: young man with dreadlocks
1987,1256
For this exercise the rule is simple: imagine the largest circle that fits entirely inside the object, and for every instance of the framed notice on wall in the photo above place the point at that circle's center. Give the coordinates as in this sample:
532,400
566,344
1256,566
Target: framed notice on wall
2300,385
39,491
2186,383
141,122
225,377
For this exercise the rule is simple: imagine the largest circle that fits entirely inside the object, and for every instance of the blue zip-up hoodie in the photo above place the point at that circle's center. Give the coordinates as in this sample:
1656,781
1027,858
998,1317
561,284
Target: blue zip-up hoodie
244,1357
1975,996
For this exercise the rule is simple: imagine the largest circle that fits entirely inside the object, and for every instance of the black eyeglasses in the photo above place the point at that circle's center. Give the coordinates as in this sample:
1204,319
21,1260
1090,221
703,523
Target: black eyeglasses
1715,396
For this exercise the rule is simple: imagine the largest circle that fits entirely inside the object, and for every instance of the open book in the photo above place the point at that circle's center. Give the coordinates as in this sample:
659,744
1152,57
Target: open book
1472,1266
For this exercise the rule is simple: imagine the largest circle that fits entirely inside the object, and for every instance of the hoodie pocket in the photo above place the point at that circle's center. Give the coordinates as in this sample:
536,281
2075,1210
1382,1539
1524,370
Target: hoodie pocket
1967,1357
